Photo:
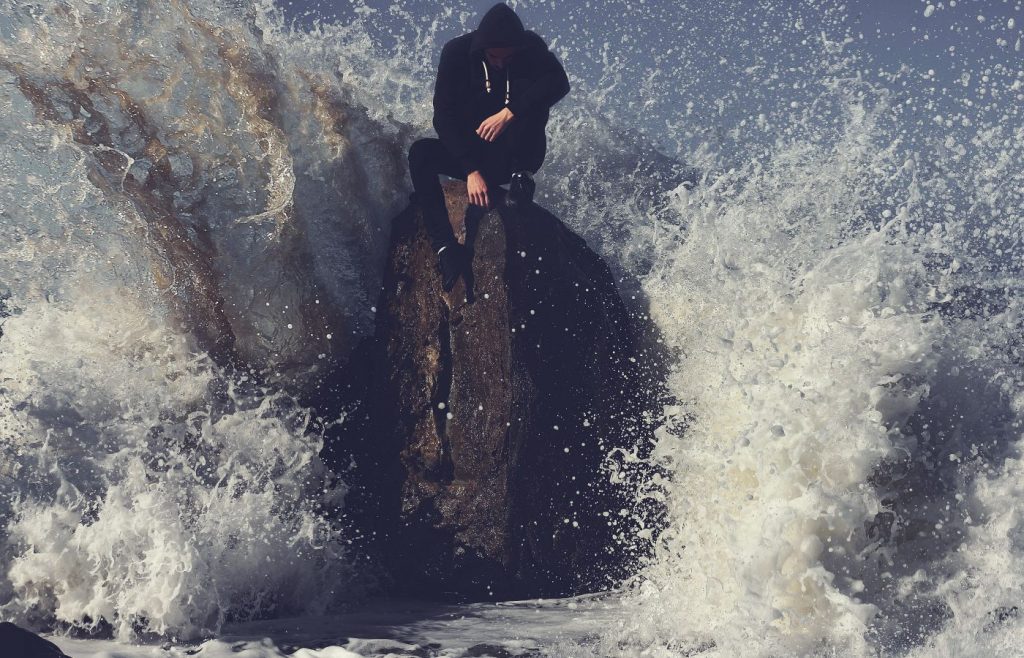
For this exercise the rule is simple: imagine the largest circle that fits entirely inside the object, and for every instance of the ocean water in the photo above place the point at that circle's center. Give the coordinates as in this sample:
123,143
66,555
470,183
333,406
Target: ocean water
195,199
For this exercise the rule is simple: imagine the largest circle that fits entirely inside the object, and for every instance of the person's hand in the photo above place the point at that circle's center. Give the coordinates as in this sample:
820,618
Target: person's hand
476,186
494,125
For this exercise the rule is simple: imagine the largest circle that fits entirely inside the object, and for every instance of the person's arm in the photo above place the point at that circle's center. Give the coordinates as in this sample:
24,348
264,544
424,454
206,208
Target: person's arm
550,87
455,134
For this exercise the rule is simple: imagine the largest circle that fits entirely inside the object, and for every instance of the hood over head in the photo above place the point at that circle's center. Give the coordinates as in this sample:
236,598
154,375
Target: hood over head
499,28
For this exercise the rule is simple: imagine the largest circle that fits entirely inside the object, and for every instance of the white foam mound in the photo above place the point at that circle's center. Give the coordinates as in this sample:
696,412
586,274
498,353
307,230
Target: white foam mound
144,501
839,424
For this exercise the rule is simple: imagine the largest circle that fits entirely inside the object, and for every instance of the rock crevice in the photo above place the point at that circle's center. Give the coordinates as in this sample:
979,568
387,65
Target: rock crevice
493,410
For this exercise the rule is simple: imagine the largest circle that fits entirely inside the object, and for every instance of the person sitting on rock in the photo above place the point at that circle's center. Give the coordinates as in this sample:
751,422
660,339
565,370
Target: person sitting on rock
494,89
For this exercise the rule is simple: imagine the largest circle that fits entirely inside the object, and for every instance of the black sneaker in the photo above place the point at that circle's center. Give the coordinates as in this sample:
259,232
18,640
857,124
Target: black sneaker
520,190
451,261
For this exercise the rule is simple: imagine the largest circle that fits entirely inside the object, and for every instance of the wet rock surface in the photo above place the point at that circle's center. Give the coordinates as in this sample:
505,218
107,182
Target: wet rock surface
16,641
494,411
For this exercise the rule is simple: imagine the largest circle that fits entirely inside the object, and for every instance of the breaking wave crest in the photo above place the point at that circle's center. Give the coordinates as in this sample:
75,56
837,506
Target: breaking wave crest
193,223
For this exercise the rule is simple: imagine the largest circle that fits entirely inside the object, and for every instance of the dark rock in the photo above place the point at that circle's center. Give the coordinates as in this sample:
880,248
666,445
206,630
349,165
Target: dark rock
494,409
17,642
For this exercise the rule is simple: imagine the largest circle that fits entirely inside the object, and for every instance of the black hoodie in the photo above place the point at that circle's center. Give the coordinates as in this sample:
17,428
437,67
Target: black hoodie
468,91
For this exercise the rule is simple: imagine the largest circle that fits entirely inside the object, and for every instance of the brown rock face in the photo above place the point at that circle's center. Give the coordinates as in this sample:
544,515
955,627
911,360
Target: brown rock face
493,409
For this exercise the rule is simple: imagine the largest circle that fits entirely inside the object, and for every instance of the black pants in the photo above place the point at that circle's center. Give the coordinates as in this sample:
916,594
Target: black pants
428,158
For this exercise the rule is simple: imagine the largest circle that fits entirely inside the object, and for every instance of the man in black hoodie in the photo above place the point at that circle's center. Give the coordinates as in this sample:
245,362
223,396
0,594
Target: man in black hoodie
494,89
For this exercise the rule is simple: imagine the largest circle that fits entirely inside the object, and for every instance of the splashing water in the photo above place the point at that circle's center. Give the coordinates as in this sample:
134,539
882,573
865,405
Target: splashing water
190,185
847,313
160,208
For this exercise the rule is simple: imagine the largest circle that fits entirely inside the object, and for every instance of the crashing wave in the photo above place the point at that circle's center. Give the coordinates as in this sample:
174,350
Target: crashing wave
192,204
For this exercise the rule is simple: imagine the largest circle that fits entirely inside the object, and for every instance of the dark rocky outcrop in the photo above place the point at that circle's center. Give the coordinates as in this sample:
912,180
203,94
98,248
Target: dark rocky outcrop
17,642
493,411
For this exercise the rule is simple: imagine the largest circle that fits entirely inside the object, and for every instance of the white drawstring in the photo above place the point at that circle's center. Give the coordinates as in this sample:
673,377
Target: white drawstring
508,78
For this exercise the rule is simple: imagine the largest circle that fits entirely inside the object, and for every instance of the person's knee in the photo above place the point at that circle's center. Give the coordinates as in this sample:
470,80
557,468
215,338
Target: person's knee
531,164
420,152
